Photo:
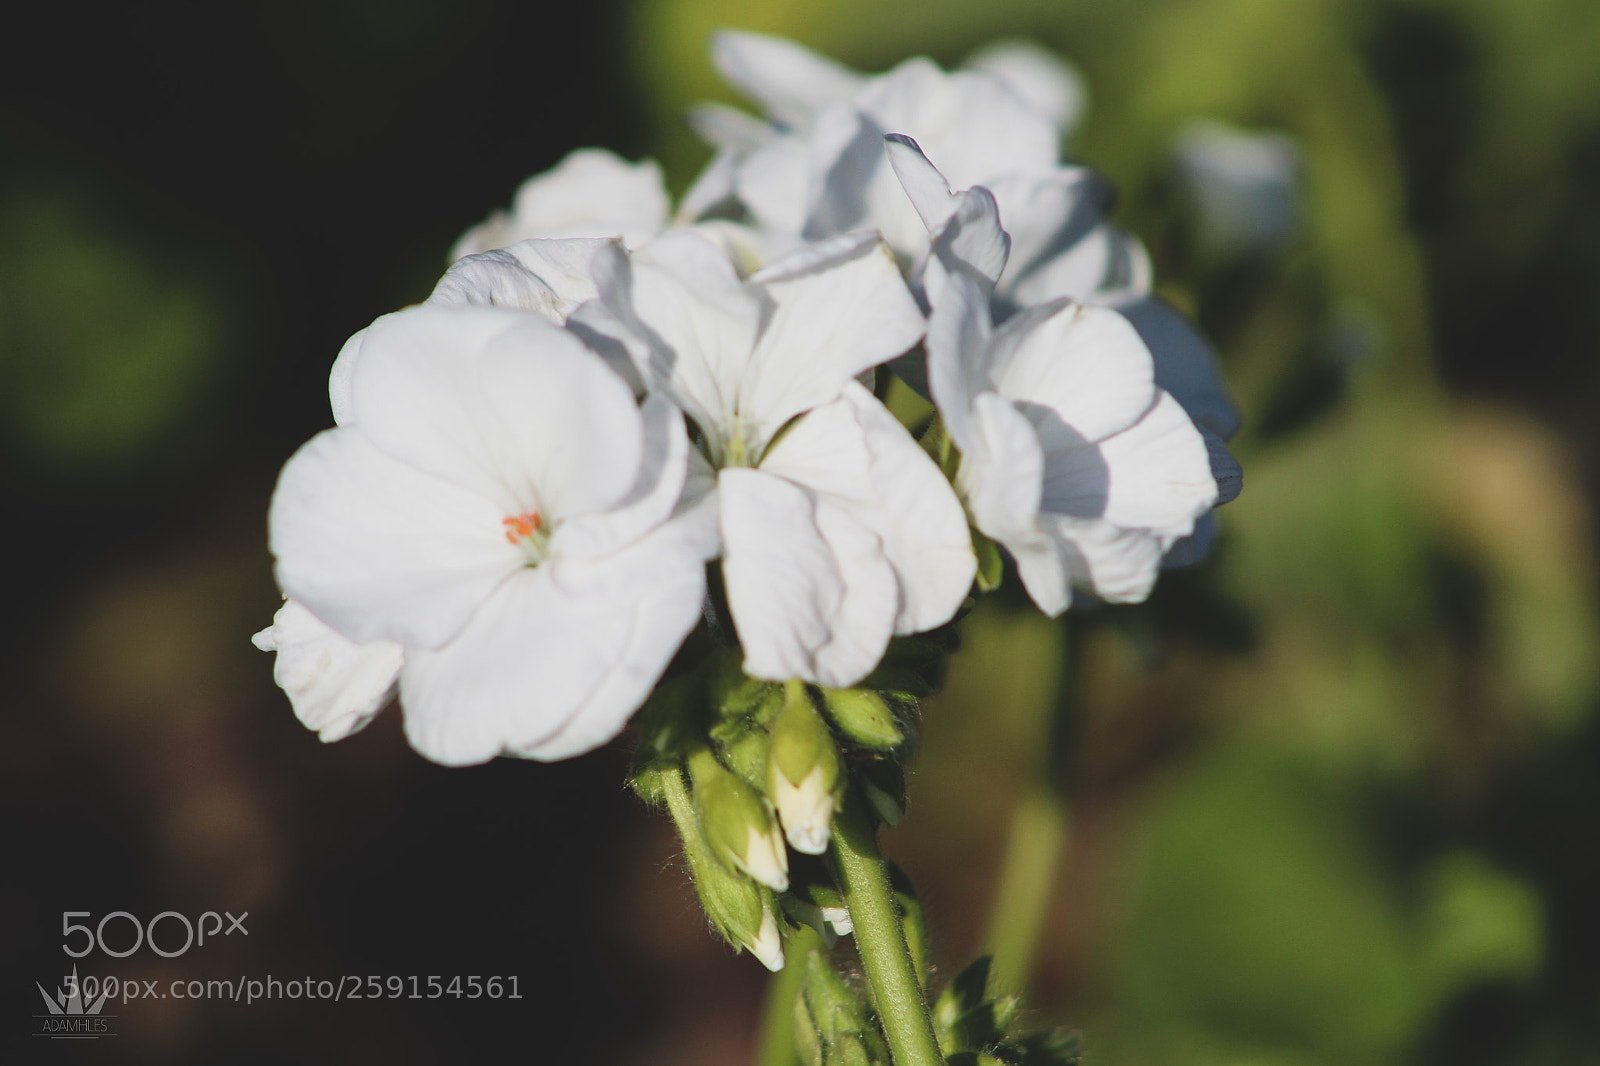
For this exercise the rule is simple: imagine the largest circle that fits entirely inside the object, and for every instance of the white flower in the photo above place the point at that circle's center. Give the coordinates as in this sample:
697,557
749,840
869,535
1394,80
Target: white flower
837,529
1071,455
820,169
335,686
970,239
590,193
495,503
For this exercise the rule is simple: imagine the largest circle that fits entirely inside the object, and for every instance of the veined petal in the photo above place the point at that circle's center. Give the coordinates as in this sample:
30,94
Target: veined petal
1086,364
1160,473
680,296
380,550
787,79
811,593
1118,564
853,454
838,308
335,685
548,276
501,402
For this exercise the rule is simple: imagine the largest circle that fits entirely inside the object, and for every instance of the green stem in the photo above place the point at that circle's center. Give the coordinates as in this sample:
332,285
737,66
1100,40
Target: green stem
858,866
783,989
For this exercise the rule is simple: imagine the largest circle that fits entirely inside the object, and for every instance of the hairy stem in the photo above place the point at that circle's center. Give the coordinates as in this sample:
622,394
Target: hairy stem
880,940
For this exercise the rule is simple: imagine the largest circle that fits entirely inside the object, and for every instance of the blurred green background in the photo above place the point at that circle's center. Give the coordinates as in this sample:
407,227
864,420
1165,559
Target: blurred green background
1332,797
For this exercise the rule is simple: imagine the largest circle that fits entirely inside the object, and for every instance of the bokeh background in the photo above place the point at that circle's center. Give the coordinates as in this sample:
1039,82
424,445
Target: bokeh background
1332,797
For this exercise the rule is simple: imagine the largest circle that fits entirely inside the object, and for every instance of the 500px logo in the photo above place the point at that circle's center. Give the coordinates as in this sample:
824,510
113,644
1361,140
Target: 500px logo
145,933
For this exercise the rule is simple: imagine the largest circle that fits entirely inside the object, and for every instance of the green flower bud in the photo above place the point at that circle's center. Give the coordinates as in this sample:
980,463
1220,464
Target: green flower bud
738,908
863,716
739,824
803,772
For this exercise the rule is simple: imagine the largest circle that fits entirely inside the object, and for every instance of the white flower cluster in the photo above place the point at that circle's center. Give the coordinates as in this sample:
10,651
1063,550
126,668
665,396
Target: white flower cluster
529,471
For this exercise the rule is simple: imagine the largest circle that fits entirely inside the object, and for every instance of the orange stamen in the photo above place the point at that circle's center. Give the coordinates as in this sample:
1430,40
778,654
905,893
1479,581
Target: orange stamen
522,526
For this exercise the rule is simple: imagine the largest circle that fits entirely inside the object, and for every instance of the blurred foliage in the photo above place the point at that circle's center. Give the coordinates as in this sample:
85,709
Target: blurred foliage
1288,840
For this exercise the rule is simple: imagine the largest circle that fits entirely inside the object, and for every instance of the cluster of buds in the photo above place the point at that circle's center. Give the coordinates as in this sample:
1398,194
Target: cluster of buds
753,772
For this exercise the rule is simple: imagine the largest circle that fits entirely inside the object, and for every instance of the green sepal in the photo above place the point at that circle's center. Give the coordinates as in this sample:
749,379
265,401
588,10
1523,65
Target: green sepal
863,716
991,567
974,1058
746,752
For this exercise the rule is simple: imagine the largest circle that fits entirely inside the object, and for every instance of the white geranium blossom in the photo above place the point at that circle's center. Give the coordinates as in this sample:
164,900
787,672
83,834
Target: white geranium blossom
496,504
837,529
1071,455
590,193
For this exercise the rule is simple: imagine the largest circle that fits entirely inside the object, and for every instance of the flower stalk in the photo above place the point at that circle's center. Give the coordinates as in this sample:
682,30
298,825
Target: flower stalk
859,868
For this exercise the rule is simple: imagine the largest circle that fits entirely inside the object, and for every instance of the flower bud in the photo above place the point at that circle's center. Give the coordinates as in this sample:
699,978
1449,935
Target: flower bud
863,716
803,772
738,908
739,824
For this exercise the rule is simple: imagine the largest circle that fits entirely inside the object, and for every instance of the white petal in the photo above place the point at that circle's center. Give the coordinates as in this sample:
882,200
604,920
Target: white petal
496,279
592,193
545,670
929,192
339,379
837,309
774,182
1002,474
958,348
790,81
681,298
1105,264
1087,365
724,127
335,686
1047,214
1119,565
853,453
1160,473
651,501
971,124
1185,365
1045,81
811,593
380,550
966,226
501,402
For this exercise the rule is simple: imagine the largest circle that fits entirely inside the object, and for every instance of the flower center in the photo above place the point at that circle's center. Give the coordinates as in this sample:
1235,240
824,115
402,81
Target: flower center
527,532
